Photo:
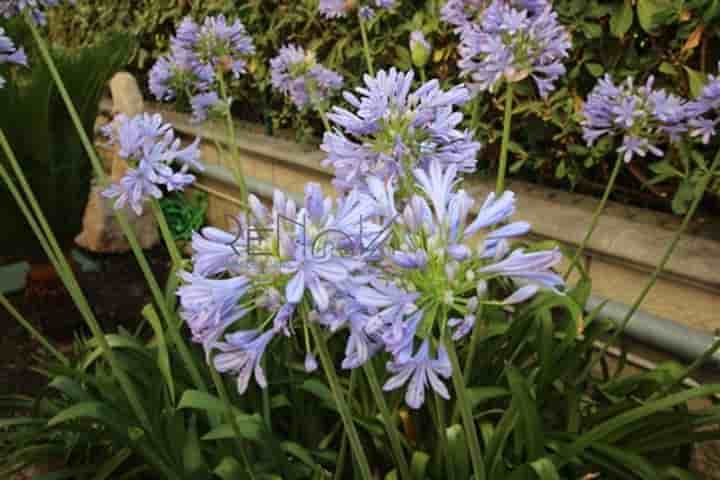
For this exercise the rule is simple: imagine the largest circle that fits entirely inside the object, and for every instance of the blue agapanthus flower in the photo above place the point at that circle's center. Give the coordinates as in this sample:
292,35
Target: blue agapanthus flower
35,8
341,8
276,264
9,53
200,56
462,13
509,44
394,130
151,149
644,116
436,270
704,112
296,73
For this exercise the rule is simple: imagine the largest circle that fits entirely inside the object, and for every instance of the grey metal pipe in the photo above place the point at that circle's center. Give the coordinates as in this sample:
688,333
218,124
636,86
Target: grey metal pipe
658,332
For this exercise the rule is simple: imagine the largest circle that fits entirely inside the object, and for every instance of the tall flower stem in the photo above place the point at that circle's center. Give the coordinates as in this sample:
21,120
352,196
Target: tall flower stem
472,349
167,236
507,123
33,331
231,418
700,193
323,116
352,433
390,424
340,465
52,248
366,46
443,445
121,217
596,216
236,166
475,114
466,412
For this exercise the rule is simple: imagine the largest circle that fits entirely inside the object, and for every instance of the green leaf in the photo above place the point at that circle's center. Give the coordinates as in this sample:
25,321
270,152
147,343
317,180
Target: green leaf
650,13
458,451
197,400
696,80
229,469
163,359
321,391
251,428
668,69
621,19
479,395
595,69
192,450
545,469
530,424
418,465
112,464
637,414
93,410
299,452
684,197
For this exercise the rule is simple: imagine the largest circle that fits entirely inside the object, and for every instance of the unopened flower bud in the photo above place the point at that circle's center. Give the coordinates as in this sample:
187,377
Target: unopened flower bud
472,304
482,288
420,49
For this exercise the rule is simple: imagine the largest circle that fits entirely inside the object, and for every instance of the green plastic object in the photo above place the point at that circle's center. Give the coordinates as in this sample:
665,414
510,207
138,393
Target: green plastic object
13,277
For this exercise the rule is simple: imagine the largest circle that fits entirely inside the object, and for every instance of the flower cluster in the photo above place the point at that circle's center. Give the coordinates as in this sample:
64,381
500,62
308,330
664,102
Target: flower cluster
35,8
340,8
394,130
431,281
276,272
151,149
297,74
703,113
201,55
644,116
509,44
9,53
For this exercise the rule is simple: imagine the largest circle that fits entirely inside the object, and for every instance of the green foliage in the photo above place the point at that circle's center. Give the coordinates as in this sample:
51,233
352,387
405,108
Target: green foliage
540,410
672,39
44,140
185,213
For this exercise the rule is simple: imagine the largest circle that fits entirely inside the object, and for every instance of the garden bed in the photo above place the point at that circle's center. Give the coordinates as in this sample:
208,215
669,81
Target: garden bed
116,288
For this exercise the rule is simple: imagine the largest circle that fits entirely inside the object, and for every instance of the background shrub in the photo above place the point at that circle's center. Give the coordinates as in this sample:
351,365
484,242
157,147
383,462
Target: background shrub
674,40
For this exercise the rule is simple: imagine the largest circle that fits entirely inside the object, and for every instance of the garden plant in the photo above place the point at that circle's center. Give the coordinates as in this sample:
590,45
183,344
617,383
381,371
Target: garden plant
398,327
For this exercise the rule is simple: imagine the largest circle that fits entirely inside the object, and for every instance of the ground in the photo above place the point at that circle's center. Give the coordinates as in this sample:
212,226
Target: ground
117,291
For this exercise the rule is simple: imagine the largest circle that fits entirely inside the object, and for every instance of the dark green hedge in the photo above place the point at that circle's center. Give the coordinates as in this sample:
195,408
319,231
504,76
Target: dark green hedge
672,39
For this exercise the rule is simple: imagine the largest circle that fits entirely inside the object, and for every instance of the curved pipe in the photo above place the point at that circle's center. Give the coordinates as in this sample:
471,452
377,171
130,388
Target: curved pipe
658,332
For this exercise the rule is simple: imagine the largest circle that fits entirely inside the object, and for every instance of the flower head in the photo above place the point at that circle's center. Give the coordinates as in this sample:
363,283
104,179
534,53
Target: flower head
704,112
201,55
9,53
463,13
340,8
297,74
35,8
279,261
431,278
642,115
151,149
510,44
395,130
